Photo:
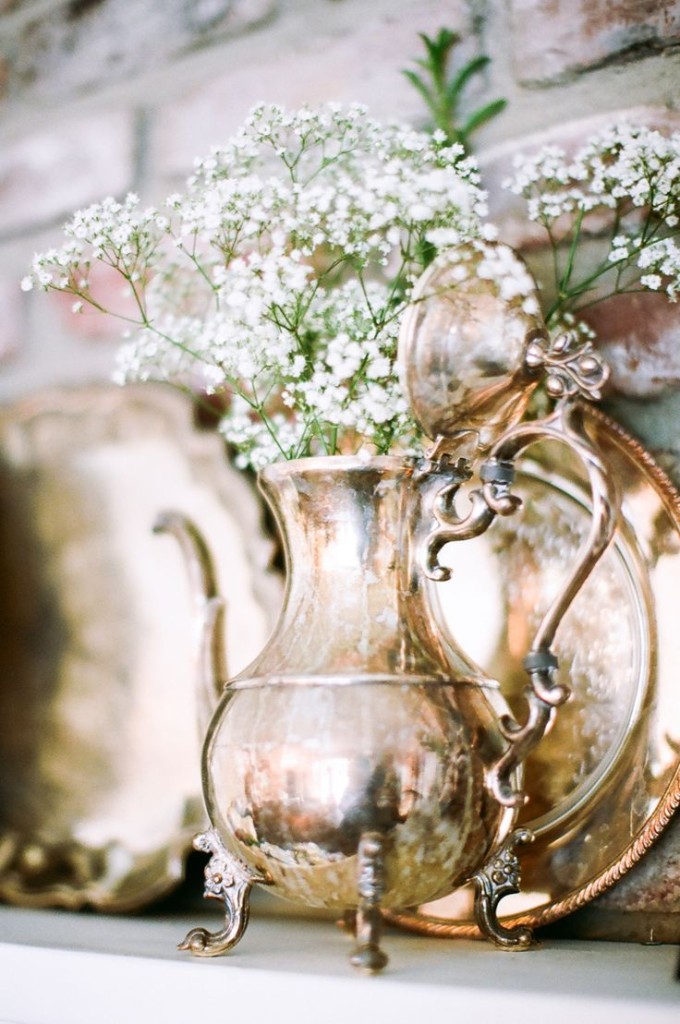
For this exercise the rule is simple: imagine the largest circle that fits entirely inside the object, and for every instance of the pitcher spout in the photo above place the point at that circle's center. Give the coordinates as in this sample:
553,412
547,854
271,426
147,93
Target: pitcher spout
209,611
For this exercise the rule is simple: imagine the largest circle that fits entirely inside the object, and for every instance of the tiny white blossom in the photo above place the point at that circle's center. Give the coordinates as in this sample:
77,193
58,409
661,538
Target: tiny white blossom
627,178
280,274
616,255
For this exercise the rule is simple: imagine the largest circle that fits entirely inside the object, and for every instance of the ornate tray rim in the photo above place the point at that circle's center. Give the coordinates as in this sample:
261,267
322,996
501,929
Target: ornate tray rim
658,819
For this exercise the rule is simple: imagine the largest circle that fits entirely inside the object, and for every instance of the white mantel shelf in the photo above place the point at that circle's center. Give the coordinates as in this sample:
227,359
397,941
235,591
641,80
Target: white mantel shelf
62,968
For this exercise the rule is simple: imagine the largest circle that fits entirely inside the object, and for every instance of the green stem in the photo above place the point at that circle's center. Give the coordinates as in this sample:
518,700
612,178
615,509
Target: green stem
568,270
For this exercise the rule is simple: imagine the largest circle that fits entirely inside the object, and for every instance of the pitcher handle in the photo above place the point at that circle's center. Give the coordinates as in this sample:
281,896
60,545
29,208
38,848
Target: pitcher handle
565,425
209,611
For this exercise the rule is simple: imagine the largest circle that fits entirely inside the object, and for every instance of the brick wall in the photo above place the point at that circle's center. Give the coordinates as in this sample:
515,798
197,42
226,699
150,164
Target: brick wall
102,96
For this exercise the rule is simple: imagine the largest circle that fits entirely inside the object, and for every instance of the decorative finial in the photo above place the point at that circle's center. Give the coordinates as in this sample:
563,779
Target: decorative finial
570,363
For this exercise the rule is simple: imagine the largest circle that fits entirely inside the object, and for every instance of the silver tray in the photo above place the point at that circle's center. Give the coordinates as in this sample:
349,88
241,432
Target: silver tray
100,788
605,781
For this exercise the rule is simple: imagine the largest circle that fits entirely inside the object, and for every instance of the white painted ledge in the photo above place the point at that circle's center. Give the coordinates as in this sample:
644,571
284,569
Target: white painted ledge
61,968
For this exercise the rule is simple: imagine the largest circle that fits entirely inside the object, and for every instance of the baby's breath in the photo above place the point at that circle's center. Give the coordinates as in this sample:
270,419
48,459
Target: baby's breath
622,185
280,274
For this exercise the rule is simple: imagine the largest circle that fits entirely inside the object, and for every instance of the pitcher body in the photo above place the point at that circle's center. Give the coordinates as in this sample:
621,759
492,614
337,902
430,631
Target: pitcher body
360,716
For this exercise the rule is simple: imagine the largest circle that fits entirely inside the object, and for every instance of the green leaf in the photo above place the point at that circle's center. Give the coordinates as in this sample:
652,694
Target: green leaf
445,39
468,71
430,46
438,46
417,82
484,114
425,252
441,93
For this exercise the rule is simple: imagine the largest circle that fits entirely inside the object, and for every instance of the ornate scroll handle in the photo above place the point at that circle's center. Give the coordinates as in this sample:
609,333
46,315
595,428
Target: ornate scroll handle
451,526
543,695
494,498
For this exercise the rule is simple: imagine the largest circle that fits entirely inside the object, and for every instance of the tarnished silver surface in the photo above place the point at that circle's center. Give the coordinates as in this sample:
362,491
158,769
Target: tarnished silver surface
473,346
100,790
358,717
347,764
350,762
464,340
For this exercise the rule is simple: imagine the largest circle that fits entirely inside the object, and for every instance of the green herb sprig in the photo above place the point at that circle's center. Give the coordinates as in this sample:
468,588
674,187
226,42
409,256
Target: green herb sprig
442,88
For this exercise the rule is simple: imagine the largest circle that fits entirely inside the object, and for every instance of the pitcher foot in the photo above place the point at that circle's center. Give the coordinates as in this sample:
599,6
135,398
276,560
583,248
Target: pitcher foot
229,880
367,955
499,878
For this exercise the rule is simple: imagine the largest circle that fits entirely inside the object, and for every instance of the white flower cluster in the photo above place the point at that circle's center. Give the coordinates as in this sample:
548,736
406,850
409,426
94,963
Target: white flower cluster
114,233
280,274
626,177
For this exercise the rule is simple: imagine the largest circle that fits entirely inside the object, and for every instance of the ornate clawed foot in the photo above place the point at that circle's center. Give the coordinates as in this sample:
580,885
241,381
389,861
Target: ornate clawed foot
499,878
229,880
367,955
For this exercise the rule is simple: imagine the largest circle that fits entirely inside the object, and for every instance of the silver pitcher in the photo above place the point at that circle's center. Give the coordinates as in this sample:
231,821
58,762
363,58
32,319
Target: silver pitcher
363,761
